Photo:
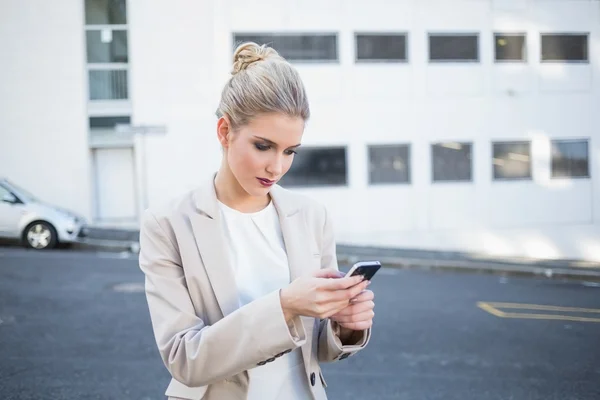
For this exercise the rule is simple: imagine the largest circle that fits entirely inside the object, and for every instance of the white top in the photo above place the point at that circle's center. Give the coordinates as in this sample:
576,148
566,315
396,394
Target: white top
260,265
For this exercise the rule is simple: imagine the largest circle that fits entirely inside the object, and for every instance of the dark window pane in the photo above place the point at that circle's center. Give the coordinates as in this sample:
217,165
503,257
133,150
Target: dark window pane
570,159
108,85
389,164
317,167
108,122
381,47
564,47
107,47
512,160
295,47
453,47
510,47
451,162
105,12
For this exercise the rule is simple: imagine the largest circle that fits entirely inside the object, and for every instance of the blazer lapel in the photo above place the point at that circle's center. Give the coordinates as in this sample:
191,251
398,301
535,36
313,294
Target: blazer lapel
210,240
296,237
295,232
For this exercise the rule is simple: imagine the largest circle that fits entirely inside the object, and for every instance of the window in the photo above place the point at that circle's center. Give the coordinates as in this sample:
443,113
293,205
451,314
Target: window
389,164
317,167
512,160
295,47
4,193
107,46
510,47
453,47
108,84
107,49
451,162
108,122
570,159
105,12
564,47
381,47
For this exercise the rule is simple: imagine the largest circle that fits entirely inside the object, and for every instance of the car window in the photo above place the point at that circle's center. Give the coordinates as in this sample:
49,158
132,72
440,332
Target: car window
3,192
22,193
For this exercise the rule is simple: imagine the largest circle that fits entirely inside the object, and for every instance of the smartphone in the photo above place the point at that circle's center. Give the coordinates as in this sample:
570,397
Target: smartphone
365,268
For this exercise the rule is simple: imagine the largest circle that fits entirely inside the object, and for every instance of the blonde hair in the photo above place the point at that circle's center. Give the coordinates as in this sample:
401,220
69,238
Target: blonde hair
262,82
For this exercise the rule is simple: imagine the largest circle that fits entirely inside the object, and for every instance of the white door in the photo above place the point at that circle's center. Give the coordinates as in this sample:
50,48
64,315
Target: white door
10,215
115,184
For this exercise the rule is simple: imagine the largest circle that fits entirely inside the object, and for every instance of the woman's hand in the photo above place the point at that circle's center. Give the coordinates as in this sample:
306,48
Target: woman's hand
359,314
321,295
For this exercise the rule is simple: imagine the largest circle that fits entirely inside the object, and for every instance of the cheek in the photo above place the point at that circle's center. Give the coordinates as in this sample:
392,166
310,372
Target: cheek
245,160
287,163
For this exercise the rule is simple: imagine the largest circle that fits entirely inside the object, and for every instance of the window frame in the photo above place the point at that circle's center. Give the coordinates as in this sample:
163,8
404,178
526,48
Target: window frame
561,33
520,179
346,183
525,58
404,34
588,141
471,179
387,145
454,34
335,34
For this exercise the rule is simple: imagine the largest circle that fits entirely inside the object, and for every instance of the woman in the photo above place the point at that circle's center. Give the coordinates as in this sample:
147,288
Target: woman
239,272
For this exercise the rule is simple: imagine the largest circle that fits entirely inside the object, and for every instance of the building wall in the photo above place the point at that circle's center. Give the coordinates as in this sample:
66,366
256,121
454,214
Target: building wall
180,57
43,127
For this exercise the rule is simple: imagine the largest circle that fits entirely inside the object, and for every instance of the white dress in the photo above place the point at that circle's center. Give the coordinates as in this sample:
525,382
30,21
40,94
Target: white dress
260,265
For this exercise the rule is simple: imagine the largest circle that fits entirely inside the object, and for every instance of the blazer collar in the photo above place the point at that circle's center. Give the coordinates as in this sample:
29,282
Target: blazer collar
205,198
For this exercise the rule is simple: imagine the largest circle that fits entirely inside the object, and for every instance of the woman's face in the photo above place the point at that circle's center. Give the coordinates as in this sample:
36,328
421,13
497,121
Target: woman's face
261,152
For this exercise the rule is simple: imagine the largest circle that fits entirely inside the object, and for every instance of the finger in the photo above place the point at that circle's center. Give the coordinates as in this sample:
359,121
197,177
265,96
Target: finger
351,292
359,317
357,308
357,326
341,283
333,308
365,295
328,273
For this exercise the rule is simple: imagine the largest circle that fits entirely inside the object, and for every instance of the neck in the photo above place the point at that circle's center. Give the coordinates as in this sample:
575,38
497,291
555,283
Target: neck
232,194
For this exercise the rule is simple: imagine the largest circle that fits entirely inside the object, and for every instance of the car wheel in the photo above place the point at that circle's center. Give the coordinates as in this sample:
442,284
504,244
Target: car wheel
40,236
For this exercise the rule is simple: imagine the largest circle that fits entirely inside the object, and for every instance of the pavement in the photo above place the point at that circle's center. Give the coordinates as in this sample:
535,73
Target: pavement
75,325
127,240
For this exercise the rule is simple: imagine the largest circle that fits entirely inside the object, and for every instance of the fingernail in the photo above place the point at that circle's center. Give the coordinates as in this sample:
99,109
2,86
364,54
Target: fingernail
368,283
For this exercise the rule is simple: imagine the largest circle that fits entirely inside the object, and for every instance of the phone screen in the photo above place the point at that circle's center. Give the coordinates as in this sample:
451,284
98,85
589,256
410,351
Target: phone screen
368,271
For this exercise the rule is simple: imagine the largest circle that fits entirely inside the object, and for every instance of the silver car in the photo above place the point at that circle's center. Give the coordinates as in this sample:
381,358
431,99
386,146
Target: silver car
37,224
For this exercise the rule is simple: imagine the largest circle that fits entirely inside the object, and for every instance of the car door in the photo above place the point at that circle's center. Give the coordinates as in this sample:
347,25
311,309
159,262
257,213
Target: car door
10,213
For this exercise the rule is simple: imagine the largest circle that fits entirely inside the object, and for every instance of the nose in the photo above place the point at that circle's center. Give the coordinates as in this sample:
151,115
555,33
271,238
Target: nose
275,167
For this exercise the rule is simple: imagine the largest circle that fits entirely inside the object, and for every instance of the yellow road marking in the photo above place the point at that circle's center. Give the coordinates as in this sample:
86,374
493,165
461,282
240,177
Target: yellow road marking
492,308
544,308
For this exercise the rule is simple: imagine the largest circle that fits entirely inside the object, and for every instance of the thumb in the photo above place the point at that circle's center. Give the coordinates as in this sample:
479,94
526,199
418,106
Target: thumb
328,273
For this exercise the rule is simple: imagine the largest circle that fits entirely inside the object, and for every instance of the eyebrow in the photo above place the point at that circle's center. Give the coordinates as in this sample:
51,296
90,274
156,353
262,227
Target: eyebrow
273,143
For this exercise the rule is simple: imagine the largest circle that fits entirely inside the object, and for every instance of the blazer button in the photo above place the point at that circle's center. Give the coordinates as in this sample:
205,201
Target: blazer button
312,379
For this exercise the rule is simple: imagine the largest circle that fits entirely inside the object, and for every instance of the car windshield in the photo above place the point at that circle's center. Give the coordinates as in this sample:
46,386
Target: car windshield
21,192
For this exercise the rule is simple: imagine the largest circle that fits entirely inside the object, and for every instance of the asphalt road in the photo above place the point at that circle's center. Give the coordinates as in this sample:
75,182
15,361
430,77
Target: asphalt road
75,326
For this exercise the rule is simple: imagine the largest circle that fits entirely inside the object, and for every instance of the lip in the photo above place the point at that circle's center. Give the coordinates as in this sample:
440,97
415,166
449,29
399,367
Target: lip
266,182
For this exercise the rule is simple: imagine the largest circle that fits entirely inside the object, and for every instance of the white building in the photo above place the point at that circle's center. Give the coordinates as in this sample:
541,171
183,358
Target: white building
474,100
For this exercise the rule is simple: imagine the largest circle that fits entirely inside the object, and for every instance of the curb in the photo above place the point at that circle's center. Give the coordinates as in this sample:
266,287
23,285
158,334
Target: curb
432,264
480,266
107,245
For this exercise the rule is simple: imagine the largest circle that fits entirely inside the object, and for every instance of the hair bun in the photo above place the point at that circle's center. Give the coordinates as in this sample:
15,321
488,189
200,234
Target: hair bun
248,53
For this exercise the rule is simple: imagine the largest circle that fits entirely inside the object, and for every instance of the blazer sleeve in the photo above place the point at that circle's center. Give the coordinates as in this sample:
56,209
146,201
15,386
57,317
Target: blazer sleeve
330,347
197,354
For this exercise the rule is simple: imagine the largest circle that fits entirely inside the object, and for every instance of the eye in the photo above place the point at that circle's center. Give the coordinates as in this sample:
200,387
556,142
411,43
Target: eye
261,147
290,152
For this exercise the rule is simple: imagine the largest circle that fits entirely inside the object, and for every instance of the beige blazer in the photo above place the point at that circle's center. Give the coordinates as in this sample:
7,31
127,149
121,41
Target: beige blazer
206,341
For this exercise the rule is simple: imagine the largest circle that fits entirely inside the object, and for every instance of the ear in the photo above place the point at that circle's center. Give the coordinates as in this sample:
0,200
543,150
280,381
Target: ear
223,131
